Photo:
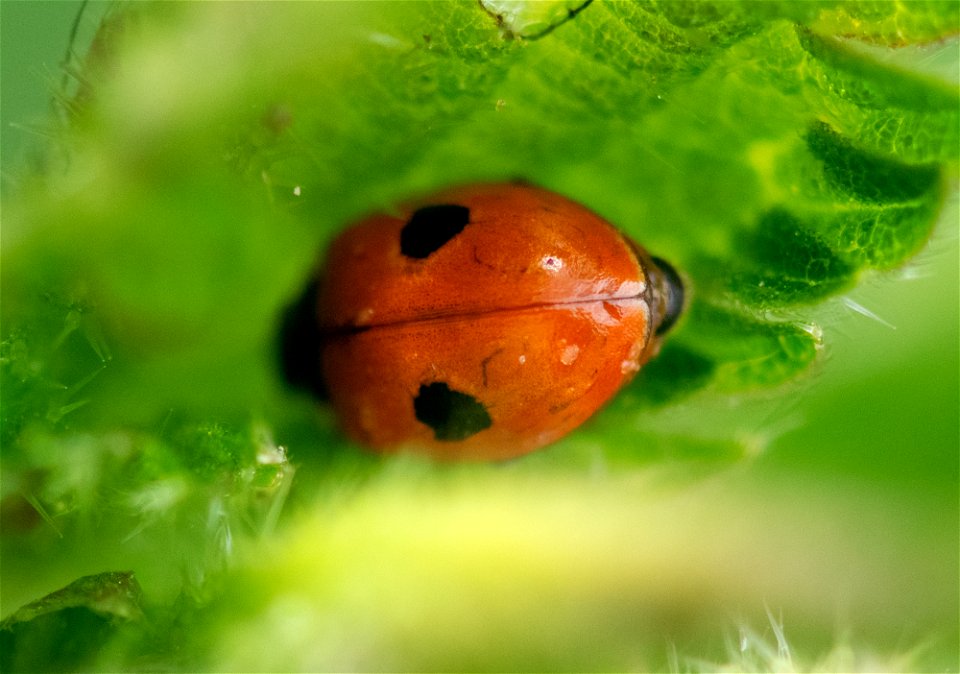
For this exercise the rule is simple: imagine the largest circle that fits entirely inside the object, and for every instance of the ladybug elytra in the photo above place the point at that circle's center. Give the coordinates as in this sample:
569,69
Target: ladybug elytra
481,323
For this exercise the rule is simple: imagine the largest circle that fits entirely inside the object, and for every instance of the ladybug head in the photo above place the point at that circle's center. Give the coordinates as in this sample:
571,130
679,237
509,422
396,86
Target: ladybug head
671,290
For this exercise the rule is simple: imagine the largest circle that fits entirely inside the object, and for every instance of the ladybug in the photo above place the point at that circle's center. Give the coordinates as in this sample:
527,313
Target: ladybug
481,323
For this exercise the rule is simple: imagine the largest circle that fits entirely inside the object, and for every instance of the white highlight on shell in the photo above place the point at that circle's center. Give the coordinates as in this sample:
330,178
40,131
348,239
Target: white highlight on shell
569,354
632,362
364,316
551,263
631,288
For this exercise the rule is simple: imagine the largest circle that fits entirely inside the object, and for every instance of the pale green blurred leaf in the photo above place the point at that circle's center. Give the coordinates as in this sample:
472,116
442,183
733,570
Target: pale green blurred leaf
209,150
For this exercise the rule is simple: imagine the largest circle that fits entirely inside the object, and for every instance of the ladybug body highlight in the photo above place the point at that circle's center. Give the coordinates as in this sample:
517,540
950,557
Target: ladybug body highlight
481,323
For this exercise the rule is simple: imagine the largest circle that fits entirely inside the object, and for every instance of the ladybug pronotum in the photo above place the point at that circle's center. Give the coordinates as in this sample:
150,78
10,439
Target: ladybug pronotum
480,323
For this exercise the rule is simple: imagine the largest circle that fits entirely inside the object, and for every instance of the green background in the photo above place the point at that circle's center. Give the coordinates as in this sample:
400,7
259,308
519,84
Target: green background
872,434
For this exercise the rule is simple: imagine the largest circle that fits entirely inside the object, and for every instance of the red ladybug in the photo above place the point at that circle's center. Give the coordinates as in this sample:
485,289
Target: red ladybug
480,323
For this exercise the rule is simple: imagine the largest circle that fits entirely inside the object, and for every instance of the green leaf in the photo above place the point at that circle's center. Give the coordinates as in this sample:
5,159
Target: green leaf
416,97
773,152
66,629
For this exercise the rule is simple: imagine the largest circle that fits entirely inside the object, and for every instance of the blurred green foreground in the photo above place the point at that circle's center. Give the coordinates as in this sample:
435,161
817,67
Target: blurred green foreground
150,244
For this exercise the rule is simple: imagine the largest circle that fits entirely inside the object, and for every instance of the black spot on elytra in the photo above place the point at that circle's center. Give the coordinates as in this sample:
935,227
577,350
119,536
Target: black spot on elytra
451,414
430,227
672,286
